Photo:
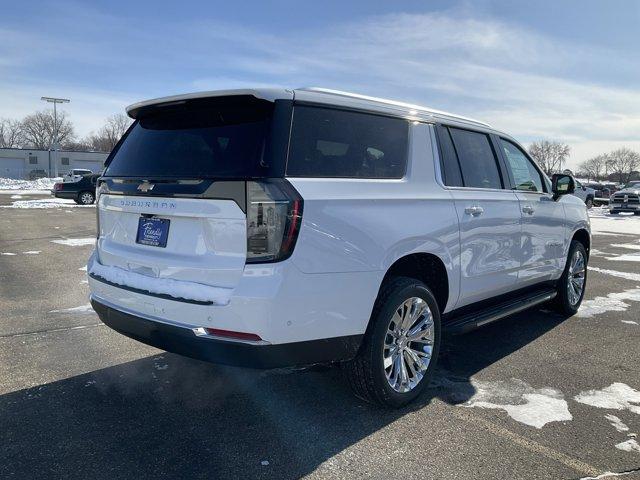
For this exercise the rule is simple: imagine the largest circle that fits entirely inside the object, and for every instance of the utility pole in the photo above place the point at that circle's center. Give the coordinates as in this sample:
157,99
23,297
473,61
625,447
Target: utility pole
55,102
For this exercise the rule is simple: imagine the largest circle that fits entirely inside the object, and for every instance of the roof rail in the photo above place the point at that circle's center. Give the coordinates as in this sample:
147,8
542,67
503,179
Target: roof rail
385,101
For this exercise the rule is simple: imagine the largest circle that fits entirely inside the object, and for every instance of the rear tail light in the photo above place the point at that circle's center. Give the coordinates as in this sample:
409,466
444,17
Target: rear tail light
101,187
274,216
57,186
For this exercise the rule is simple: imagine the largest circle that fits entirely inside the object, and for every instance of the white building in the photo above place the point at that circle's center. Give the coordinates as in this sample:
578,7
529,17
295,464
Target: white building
21,162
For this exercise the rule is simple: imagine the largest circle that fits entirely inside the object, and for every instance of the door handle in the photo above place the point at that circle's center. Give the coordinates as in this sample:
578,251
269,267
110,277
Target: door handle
474,210
528,209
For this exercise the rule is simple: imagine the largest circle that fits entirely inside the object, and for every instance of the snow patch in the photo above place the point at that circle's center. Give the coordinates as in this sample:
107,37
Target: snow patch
39,185
45,203
162,286
523,403
630,246
615,225
629,446
32,252
627,257
608,475
615,273
610,234
8,254
617,423
614,302
76,242
617,396
16,197
82,309
629,322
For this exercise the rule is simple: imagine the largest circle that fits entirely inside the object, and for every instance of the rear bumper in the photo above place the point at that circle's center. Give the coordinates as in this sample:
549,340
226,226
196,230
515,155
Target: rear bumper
181,339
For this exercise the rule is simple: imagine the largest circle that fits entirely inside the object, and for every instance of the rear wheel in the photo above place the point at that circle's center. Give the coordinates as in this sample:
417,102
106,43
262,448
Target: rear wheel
613,212
571,285
398,355
589,202
85,198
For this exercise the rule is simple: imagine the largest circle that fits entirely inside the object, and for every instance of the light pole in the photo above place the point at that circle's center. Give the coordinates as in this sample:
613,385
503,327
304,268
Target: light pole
55,102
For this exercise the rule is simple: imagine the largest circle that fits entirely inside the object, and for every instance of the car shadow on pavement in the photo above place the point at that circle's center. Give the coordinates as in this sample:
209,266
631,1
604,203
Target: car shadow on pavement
167,416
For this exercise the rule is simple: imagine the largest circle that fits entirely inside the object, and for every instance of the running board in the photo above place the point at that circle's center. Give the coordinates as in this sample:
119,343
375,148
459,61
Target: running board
470,321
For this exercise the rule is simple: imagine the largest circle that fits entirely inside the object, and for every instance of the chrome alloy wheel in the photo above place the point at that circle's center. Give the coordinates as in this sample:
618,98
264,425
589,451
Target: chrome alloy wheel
408,344
575,278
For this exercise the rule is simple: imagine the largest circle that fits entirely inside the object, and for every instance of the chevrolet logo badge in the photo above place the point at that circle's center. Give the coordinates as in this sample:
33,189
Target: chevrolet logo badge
145,186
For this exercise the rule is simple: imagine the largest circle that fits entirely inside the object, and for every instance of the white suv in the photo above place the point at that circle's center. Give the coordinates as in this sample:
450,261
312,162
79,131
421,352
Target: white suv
269,228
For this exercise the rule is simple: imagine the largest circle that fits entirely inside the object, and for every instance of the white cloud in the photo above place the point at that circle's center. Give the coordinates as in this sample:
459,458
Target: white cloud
530,85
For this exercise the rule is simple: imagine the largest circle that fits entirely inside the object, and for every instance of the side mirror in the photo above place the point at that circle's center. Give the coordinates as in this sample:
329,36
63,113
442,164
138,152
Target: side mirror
562,184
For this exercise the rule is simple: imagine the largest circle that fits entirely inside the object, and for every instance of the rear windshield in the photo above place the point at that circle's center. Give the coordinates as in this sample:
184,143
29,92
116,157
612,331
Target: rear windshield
220,139
337,143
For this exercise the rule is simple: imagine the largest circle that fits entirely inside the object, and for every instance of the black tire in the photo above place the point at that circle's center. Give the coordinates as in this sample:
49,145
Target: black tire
561,303
366,372
589,202
636,213
85,198
613,212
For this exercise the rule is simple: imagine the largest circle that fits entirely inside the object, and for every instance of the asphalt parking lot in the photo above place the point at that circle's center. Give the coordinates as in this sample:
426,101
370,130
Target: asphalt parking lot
532,396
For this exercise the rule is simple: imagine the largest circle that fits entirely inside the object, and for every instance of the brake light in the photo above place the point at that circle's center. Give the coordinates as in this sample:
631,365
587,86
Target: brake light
274,217
57,186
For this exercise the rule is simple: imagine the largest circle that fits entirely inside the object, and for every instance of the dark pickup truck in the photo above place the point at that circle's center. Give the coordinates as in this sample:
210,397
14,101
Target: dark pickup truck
83,191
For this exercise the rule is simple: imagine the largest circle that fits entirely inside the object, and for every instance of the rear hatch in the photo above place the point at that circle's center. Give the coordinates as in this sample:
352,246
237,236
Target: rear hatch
172,206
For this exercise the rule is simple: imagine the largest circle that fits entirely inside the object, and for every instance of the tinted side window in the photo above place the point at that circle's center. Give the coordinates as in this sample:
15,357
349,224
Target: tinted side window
335,143
451,174
524,173
477,159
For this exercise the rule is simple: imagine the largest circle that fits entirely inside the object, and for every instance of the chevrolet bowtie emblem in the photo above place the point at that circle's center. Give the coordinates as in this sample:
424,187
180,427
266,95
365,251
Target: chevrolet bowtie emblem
145,186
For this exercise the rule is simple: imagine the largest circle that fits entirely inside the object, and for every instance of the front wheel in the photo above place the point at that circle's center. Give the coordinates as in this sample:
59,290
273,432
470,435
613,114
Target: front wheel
398,354
573,281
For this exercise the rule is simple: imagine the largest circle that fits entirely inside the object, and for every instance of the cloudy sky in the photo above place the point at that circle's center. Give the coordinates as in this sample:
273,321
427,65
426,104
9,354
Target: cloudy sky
565,70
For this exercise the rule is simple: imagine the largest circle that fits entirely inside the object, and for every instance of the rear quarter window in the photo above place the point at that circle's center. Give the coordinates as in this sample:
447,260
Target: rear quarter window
342,144
478,162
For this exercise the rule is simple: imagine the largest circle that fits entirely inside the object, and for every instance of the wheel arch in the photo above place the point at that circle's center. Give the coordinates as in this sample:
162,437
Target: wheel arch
426,267
582,235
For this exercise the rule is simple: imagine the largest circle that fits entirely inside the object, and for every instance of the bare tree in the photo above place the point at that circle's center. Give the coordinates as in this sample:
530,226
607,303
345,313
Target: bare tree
38,129
595,167
622,163
107,137
550,155
79,145
11,134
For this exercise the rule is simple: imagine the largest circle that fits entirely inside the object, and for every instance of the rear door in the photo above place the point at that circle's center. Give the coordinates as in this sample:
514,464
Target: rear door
543,231
488,214
172,202
187,239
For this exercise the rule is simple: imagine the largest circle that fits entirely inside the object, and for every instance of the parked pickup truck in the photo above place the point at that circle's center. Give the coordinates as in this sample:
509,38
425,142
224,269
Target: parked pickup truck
82,190
626,200
269,228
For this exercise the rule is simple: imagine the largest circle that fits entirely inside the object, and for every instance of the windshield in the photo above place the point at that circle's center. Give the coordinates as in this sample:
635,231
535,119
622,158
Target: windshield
221,139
